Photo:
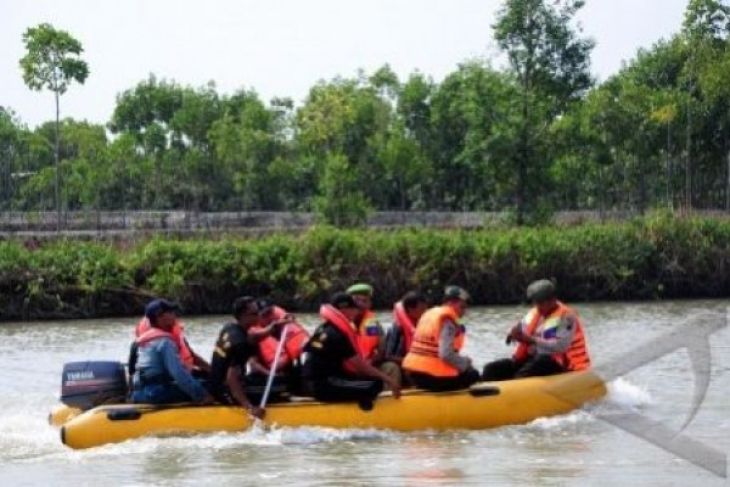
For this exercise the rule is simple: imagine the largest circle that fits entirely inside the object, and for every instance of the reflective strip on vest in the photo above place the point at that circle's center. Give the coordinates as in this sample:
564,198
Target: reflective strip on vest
423,357
575,358
369,335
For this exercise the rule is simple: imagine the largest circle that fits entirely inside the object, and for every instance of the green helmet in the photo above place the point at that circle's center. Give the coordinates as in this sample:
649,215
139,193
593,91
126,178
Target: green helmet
360,288
541,290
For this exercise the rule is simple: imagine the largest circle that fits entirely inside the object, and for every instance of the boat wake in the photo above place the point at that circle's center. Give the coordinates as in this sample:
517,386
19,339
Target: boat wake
622,395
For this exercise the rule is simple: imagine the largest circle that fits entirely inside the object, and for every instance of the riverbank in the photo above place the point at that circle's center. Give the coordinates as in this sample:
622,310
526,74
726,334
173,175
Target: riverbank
652,258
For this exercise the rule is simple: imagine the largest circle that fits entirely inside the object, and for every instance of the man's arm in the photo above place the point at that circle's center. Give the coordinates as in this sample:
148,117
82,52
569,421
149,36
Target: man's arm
447,353
234,381
182,377
132,360
255,336
364,369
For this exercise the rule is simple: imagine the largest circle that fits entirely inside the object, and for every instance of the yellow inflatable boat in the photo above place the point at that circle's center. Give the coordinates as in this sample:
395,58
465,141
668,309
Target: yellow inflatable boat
485,405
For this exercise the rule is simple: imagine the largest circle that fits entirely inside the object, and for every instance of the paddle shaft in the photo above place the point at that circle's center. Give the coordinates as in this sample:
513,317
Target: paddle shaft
272,372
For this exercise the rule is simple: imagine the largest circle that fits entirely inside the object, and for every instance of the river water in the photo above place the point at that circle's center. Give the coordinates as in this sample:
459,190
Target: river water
575,449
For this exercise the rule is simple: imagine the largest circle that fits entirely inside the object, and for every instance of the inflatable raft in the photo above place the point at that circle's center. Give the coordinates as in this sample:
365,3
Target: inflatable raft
485,405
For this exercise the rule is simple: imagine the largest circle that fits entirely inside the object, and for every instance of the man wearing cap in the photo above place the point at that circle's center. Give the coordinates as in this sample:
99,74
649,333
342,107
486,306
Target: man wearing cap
550,339
191,360
434,361
335,367
160,376
369,331
235,346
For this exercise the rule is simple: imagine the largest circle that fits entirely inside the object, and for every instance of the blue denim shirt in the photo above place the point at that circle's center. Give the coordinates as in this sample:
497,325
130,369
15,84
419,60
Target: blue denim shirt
161,357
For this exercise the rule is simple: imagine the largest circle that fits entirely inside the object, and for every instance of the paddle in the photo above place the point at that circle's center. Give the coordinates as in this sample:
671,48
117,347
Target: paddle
275,363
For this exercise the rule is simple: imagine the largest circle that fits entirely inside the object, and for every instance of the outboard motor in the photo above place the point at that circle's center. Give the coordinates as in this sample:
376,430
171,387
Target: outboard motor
89,384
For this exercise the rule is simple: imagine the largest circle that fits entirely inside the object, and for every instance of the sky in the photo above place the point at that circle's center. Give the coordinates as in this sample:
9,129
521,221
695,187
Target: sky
283,47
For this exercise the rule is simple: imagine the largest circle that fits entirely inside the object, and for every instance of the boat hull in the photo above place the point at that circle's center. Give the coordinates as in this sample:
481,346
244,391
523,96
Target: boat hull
486,405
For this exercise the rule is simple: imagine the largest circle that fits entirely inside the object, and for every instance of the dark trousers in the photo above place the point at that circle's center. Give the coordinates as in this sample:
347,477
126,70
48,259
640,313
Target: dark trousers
255,385
506,369
437,384
343,389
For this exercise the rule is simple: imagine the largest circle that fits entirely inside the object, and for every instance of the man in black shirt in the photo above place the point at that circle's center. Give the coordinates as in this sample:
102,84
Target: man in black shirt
236,344
334,367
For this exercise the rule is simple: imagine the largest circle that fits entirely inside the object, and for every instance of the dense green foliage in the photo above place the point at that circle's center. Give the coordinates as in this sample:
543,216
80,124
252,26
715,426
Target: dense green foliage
654,257
533,137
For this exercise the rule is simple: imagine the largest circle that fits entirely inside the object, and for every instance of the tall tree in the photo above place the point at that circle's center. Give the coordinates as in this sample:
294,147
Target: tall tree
53,61
551,64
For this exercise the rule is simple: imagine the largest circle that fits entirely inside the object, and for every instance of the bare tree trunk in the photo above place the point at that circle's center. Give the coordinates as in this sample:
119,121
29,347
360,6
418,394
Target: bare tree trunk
56,156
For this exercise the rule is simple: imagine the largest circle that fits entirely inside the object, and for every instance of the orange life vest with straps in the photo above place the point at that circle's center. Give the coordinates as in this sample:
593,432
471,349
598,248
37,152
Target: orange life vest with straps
332,315
177,334
575,358
153,334
405,324
296,338
369,335
423,357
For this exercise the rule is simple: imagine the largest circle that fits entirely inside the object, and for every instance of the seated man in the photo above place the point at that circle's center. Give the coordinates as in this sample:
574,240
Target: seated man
287,368
192,361
370,334
236,344
335,368
549,338
160,376
406,314
434,362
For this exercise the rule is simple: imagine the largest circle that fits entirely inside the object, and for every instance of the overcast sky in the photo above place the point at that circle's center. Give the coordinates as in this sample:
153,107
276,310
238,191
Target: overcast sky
282,47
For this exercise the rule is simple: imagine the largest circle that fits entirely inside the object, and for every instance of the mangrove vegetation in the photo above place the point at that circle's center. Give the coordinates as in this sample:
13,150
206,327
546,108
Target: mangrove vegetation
658,256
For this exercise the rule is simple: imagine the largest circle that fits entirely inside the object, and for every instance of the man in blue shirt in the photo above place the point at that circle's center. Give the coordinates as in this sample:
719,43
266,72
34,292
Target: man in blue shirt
160,376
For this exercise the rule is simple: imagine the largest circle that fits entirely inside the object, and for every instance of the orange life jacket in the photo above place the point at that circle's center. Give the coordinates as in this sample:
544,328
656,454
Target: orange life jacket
153,334
423,357
575,358
405,324
177,335
332,315
369,335
296,338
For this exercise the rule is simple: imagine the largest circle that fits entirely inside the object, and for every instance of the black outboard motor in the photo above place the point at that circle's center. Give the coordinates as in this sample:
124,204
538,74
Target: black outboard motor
89,384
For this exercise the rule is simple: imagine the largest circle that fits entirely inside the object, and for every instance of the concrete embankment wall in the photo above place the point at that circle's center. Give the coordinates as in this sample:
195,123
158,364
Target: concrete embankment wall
92,224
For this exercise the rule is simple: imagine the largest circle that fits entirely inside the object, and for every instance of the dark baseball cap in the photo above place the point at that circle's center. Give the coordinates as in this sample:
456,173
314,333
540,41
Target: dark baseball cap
158,306
456,292
343,301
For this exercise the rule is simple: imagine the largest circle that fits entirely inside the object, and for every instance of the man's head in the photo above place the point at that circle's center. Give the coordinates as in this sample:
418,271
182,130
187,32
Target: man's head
346,305
362,294
246,311
162,313
543,294
457,298
415,305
